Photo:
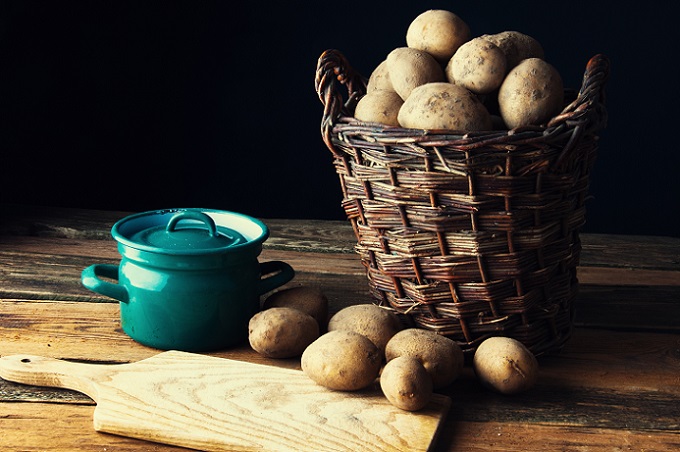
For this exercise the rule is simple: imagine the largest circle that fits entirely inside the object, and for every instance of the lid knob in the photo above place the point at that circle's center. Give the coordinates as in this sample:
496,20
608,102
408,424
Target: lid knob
192,215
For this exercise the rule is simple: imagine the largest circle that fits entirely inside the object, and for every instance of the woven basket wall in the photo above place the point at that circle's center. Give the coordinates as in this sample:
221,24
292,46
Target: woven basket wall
470,235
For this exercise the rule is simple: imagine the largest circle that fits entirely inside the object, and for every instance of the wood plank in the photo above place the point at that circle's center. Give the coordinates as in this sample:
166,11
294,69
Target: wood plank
49,427
25,248
49,269
629,307
609,276
627,251
599,250
17,219
57,222
504,437
89,331
52,427
14,247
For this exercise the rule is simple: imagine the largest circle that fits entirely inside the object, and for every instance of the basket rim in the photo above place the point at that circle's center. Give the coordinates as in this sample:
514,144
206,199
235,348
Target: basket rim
339,87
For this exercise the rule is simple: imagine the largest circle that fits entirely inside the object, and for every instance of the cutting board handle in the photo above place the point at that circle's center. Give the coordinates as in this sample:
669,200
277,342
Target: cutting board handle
42,371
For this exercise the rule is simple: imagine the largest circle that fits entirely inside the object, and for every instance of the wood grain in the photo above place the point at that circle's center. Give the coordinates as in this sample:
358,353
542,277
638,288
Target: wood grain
42,420
217,404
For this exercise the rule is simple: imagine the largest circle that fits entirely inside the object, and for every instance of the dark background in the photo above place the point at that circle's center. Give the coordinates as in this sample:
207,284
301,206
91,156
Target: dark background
137,105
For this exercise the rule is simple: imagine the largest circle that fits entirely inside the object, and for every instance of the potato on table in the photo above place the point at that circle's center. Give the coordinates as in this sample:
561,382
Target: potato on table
342,360
370,320
505,365
442,357
281,332
406,383
308,299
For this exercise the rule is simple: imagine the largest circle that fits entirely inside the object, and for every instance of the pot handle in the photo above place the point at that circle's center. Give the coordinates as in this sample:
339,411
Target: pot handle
274,274
90,277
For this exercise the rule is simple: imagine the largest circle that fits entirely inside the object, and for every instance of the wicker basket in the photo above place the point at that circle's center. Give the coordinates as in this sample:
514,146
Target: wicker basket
470,235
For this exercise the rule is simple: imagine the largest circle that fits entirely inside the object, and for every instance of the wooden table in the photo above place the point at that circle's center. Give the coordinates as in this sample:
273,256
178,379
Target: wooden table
615,386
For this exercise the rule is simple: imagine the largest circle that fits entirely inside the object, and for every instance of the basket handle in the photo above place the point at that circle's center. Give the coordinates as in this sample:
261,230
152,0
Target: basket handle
333,72
588,109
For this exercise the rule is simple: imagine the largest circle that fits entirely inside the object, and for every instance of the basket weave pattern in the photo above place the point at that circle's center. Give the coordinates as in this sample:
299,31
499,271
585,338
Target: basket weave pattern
470,235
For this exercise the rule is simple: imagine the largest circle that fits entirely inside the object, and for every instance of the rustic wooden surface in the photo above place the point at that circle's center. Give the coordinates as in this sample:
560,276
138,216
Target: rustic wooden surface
615,386
217,404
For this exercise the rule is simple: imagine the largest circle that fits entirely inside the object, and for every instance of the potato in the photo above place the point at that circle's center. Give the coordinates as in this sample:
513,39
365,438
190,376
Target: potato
310,300
477,65
379,79
444,106
342,360
437,32
505,365
409,68
406,383
372,321
442,357
531,94
516,46
379,106
281,332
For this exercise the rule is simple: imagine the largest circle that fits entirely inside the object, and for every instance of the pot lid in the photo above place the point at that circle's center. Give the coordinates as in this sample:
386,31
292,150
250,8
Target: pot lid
188,231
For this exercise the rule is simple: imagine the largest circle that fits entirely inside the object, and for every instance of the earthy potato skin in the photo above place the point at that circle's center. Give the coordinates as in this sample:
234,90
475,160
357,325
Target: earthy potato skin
516,46
379,78
444,106
505,365
438,32
406,383
442,357
308,299
531,94
409,68
342,360
372,321
281,332
477,65
380,106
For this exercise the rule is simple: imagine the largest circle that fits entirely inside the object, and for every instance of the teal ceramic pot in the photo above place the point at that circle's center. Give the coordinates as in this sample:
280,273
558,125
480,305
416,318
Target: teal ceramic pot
189,279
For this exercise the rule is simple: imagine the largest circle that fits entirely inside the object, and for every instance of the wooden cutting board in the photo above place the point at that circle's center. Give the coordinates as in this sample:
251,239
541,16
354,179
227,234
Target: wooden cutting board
210,403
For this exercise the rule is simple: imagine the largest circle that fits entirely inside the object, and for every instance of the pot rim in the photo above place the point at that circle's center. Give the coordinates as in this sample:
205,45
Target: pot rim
252,229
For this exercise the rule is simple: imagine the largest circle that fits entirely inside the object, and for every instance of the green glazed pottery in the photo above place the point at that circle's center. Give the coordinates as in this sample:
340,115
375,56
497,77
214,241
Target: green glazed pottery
189,279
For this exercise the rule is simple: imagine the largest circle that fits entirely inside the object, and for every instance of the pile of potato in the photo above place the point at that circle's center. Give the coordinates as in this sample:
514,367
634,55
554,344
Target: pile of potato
446,79
364,344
